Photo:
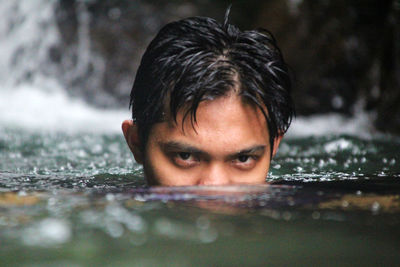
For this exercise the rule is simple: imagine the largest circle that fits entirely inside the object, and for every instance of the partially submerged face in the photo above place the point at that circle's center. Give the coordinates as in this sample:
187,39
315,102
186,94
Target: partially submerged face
208,68
229,144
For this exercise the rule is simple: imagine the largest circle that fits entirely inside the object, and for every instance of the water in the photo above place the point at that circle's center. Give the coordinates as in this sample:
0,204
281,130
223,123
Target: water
78,199
72,195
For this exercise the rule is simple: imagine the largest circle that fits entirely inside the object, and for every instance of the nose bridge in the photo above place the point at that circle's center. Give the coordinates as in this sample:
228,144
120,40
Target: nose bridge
214,174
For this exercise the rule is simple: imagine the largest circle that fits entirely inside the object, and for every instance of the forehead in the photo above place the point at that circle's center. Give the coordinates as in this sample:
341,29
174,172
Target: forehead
222,124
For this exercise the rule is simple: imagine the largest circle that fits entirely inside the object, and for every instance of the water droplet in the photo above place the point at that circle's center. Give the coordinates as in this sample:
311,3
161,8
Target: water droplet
277,166
321,163
337,145
110,197
375,207
114,228
49,231
337,102
316,215
332,161
22,193
299,169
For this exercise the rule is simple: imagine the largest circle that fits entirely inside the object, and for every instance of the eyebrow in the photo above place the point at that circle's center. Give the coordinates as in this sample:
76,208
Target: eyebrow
178,146
173,145
254,149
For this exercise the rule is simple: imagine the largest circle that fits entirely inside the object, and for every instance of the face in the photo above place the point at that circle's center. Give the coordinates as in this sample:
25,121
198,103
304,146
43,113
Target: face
229,144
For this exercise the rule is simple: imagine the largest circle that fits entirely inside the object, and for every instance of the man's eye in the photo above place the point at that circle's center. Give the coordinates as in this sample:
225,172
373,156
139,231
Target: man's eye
243,158
184,155
184,159
245,162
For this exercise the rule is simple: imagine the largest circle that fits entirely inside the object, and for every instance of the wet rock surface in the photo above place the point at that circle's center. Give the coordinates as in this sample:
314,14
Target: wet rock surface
342,52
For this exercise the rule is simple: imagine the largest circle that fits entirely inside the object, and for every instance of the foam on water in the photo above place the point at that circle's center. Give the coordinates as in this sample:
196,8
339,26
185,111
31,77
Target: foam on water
31,108
359,124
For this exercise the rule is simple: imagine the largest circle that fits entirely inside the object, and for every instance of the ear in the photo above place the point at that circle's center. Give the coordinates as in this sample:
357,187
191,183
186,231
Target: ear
277,141
130,131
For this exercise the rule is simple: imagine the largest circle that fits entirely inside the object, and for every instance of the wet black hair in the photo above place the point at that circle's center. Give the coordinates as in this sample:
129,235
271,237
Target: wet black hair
197,59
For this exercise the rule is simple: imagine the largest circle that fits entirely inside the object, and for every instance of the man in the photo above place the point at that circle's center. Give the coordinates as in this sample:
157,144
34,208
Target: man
210,105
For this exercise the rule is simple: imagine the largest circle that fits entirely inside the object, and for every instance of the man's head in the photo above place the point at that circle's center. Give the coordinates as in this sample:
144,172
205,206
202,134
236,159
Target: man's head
210,104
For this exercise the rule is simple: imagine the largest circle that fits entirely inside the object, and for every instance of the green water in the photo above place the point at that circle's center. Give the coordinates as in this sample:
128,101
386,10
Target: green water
80,200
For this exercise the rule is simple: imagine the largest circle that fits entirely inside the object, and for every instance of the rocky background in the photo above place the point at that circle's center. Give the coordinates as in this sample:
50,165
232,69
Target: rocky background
345,54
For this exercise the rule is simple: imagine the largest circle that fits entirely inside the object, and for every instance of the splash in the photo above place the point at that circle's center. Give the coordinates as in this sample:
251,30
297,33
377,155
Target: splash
359,125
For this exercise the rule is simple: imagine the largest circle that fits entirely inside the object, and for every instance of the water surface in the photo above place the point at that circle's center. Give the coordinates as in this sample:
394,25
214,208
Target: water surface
79,199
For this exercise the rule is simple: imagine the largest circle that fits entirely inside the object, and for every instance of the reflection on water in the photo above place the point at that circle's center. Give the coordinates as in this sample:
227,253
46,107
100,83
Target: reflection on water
79,199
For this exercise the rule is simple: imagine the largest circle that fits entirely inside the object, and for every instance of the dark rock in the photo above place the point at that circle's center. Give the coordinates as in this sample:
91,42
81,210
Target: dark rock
342,52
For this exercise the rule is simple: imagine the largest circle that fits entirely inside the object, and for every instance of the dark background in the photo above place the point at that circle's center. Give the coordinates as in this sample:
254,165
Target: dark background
345,54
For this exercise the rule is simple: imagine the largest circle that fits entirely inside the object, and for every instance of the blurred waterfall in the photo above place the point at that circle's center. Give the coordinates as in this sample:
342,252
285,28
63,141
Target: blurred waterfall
27,34
36,69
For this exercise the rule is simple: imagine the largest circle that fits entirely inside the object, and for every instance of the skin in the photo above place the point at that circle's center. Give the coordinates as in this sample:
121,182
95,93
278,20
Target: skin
229,144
